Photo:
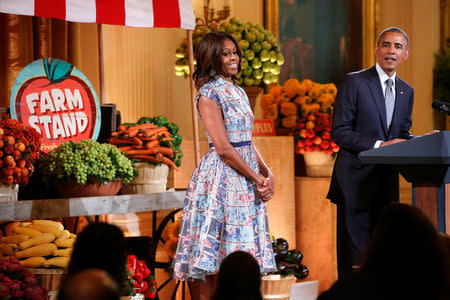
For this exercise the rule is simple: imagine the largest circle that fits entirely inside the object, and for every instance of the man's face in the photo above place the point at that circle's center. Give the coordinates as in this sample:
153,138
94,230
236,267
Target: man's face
391,51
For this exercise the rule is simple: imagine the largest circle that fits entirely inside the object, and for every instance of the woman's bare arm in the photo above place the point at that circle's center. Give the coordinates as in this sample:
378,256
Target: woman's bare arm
214,125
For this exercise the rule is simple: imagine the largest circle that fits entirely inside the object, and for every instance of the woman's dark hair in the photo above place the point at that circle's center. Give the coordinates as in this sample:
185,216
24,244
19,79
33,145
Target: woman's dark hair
239,278
101,246
208,55
405,257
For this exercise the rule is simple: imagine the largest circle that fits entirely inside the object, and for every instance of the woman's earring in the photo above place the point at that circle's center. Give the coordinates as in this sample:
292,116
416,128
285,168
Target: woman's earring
212,73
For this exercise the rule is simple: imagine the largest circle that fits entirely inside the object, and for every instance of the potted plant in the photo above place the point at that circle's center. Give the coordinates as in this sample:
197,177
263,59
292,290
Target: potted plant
86,168
304,110
139,281
16,282
313,140
19,149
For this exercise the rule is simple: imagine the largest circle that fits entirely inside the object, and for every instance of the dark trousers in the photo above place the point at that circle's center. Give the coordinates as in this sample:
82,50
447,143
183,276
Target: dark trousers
353,231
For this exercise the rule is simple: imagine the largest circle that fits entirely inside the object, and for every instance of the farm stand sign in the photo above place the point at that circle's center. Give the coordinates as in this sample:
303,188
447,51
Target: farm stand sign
57,100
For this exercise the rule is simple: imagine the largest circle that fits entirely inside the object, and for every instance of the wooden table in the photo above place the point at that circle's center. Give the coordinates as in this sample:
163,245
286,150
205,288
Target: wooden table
89,206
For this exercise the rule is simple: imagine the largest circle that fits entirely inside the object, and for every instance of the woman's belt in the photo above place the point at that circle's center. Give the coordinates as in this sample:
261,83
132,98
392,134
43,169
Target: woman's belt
236,144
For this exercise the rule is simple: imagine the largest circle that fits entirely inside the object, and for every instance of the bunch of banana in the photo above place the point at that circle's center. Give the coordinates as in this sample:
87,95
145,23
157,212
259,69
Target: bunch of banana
41,243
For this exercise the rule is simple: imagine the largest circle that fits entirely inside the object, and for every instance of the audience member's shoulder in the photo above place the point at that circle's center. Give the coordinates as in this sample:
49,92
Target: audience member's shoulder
355,287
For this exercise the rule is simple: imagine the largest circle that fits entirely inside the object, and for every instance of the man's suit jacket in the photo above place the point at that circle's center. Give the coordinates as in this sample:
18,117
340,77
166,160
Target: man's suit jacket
359,120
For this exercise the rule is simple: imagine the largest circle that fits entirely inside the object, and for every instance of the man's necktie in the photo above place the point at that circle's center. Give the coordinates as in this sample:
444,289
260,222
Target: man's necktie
389,101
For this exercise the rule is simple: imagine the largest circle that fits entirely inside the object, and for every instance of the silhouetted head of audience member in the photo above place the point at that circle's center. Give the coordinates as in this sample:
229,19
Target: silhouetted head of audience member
405,256
239,278
101,246
89,284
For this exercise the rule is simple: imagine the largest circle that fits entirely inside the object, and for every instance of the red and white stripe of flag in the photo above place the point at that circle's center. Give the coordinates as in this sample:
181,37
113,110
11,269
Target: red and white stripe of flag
137,13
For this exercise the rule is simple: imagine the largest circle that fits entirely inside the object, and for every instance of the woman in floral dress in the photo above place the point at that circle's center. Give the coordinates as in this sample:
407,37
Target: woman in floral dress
224,209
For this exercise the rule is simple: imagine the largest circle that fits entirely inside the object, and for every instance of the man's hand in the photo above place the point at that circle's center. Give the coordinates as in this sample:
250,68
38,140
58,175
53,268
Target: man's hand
394,141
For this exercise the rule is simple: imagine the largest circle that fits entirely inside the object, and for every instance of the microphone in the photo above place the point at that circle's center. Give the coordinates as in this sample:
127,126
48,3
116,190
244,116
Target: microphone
441,106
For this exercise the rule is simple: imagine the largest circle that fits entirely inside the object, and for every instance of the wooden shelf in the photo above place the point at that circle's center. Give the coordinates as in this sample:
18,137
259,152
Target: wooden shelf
89,206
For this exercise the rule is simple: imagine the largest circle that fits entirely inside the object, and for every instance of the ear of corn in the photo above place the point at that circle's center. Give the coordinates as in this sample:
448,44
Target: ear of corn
60,261
67,243
43,238
65,235
38,250
33,262
49,223
63,252
26,231
57,232
14,239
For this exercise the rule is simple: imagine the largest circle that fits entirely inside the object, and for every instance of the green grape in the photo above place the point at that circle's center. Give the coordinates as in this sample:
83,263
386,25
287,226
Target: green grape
86,160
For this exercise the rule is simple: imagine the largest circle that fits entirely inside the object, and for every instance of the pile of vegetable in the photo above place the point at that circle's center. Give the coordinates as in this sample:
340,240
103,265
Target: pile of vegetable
289,262
150,140
86,161
262,57
41,243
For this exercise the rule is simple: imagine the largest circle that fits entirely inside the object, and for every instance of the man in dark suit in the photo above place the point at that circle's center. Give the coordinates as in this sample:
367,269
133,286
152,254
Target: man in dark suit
372,109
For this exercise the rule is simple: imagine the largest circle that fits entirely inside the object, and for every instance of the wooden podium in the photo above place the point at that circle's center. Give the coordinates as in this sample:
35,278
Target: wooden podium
423,161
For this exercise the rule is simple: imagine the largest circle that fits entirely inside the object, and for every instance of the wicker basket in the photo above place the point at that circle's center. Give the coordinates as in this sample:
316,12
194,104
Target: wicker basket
318,164
50,279
8,193
276,287
151,179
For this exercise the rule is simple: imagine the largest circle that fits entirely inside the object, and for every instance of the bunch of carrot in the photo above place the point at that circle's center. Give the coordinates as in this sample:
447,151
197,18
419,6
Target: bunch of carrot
145,143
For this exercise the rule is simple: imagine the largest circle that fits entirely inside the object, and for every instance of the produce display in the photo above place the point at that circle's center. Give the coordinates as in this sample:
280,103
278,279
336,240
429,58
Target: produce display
139,278
286,104
289,262
19,148
86,161
261,53
41,243
151,140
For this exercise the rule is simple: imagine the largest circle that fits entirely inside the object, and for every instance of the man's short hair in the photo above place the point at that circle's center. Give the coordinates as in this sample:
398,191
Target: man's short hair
393,29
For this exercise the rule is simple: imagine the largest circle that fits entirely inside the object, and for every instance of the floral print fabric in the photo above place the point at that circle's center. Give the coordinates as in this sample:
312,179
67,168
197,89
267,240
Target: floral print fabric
221,212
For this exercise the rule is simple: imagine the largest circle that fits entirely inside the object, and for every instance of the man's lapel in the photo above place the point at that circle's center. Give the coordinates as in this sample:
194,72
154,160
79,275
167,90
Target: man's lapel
400,100
377,93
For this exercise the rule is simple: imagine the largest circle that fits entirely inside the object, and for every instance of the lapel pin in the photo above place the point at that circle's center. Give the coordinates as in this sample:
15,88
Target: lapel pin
401,92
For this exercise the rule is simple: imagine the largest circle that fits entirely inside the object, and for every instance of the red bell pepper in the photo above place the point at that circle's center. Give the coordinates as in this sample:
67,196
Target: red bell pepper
150,293
146,272
139,276
132,261
143,286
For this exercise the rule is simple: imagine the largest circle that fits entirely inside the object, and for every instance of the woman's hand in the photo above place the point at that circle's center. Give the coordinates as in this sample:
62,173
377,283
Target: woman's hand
267,188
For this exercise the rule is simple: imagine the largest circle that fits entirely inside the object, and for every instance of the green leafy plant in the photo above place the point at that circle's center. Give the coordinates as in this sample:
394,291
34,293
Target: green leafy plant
441,81
86,161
